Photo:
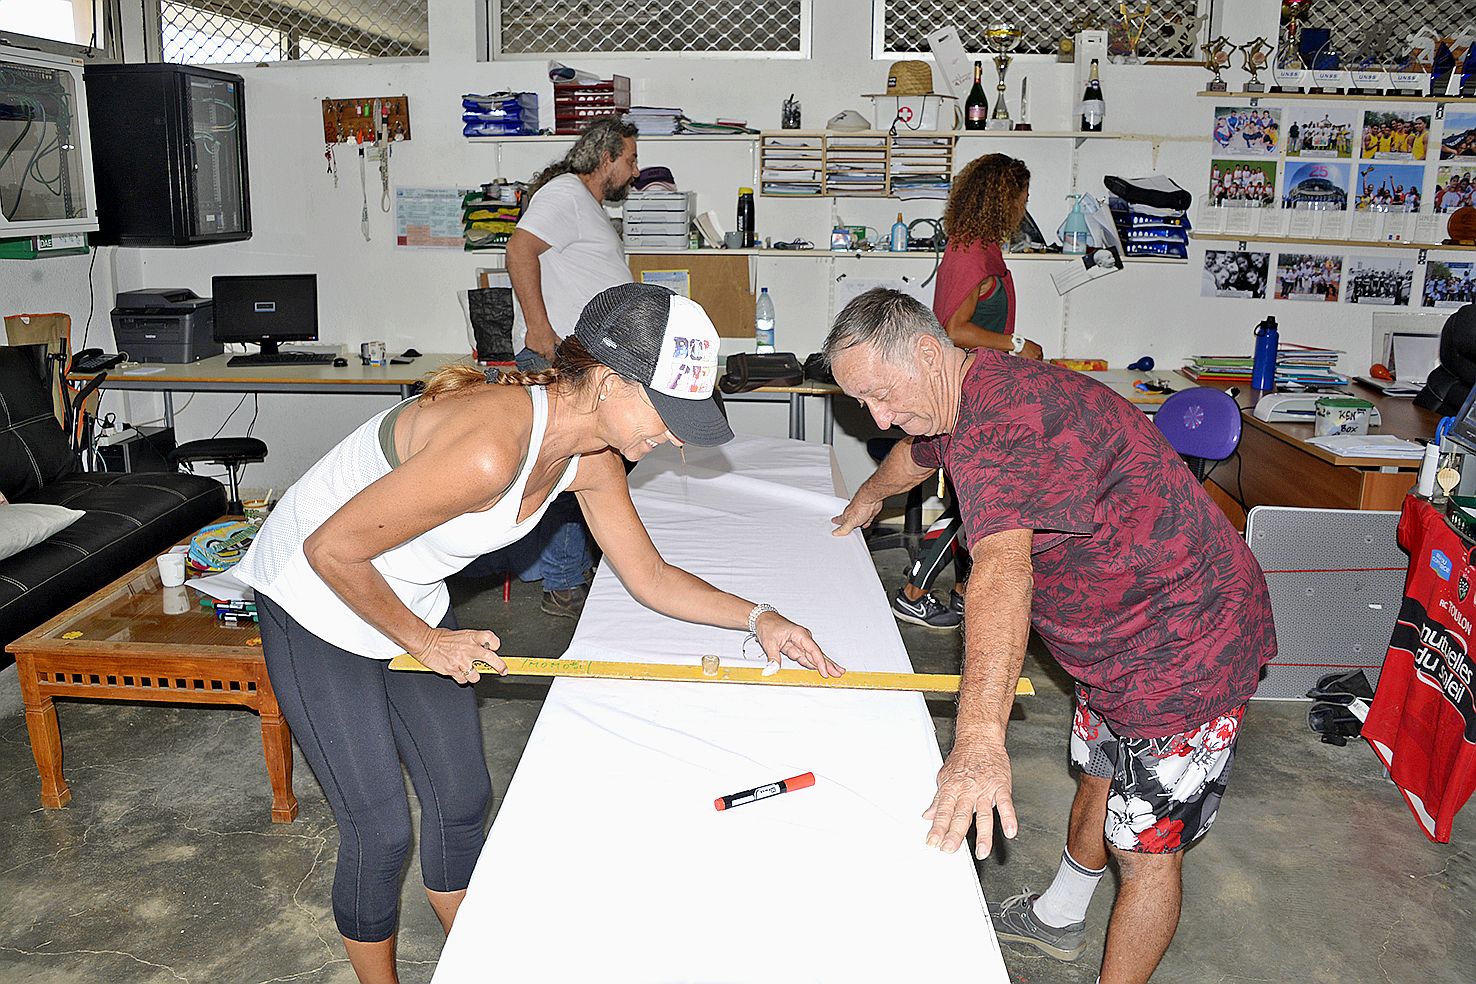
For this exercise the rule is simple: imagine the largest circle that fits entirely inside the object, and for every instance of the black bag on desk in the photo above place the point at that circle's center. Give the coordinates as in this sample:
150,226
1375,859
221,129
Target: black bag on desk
490,310
746,371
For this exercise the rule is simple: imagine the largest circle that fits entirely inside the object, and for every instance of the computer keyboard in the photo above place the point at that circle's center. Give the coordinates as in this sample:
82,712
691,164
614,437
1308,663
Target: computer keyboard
282,359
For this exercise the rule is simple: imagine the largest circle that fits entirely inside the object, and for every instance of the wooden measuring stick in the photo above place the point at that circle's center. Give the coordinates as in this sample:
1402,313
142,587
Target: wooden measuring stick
936,683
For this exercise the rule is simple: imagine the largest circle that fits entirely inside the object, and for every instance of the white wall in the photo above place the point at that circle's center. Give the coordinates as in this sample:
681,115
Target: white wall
374,290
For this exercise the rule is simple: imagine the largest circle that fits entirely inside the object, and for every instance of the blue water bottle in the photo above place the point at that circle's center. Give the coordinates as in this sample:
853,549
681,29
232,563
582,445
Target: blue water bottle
1263,372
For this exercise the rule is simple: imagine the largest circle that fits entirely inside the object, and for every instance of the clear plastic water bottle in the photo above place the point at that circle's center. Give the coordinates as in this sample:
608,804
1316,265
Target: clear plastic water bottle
763,322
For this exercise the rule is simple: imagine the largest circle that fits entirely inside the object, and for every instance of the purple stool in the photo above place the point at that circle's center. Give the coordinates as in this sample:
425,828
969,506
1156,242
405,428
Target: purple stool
1202,424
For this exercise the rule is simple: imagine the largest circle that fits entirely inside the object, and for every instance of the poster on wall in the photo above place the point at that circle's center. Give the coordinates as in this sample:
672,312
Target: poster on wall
1455,186
1242,184
1385,280
1388,187
1395,135
1320,132
1247,131
1308,276
1315,185
1449,285
1459,141
1235,273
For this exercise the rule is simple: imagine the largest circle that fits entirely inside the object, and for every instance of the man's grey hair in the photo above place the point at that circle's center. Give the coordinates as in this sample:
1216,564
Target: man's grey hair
889,321
603,140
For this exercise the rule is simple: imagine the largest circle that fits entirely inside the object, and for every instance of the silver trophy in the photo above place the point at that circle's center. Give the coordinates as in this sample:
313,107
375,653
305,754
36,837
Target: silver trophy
1002,38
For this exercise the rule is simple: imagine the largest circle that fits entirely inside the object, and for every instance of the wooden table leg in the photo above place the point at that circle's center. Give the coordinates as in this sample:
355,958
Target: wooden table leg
45,735
276,743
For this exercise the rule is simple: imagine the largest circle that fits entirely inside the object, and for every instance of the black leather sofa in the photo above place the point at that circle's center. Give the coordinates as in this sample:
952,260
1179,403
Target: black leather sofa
130,517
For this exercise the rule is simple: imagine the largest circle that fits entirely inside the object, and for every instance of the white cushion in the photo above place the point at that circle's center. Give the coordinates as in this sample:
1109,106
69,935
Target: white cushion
25,524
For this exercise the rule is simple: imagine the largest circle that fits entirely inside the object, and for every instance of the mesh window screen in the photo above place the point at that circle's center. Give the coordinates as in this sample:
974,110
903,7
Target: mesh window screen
1353,22
198,32
536,27
905,24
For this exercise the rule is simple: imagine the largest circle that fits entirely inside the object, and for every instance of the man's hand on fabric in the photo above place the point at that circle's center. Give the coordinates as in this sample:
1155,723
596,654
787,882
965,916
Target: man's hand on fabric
858,514
973,783
779,636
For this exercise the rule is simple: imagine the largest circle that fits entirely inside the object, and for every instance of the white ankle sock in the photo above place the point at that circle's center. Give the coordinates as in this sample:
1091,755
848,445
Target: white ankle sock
1066,901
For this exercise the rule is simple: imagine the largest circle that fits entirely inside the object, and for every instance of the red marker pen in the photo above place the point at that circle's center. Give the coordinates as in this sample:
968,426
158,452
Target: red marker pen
764,792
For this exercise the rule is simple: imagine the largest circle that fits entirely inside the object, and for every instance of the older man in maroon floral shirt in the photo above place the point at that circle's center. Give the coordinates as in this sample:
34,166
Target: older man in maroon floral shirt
1083,523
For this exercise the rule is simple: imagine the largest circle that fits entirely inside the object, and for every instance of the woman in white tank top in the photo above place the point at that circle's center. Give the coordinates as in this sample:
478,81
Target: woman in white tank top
352,564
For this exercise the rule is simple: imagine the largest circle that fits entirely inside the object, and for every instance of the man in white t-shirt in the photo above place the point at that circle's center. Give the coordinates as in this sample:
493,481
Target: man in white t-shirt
564,250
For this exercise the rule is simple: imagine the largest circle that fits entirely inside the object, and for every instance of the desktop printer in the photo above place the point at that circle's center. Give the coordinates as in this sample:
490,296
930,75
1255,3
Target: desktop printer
170,325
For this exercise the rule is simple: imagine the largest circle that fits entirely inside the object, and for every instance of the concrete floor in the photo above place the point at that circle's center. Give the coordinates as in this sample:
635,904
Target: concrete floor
165,866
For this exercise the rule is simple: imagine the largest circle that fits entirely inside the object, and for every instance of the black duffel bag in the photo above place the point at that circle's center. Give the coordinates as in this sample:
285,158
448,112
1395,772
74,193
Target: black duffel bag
748,371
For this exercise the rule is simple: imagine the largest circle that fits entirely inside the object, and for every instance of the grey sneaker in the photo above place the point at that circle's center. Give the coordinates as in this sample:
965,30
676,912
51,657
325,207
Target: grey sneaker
1015,922
926,611
565,604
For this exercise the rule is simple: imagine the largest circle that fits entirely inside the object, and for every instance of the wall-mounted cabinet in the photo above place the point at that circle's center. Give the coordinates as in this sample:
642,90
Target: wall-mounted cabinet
169,142
45,165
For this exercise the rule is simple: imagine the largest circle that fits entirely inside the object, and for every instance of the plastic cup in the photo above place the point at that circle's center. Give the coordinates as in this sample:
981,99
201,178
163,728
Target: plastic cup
171,569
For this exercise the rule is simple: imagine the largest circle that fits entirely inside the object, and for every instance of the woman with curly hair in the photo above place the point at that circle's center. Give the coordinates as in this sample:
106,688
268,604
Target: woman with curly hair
975,296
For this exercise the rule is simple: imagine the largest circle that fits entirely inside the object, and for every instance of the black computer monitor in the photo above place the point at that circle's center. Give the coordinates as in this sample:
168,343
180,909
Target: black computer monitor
266,309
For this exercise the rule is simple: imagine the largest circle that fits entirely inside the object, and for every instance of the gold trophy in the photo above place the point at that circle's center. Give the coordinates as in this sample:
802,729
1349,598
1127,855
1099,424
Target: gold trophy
1133,24
1002,38
1254,57
1216,57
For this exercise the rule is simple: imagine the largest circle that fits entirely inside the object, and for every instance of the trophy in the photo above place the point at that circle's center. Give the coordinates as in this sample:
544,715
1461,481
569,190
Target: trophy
1126,35
1411,73
1369,70
1254,55
1290,72
1216,57
1457,79
1328,74
1002,38
1066,44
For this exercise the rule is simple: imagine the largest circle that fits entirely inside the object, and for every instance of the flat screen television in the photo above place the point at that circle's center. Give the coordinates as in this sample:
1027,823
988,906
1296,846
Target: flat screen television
266,309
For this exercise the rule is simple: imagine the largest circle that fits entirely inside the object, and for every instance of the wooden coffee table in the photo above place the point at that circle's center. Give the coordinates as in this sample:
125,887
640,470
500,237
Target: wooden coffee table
137,640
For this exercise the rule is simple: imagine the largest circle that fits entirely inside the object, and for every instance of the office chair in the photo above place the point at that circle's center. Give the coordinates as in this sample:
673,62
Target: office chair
910,535
1202,424
232,453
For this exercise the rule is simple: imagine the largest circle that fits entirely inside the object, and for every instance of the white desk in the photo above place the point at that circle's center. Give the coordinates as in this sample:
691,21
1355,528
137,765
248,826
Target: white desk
608,862
214,375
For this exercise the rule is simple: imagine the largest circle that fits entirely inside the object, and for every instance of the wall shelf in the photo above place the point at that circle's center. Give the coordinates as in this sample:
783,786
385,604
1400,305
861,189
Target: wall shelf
1221,237
1333,95
662,138
817,254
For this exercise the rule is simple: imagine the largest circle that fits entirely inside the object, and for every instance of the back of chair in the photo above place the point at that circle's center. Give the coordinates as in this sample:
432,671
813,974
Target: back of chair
1202,424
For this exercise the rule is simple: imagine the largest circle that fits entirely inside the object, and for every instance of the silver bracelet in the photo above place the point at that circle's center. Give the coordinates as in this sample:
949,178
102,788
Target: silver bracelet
753,617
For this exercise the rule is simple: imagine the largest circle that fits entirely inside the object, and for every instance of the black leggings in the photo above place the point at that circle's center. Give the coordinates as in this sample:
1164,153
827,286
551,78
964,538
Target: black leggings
355,722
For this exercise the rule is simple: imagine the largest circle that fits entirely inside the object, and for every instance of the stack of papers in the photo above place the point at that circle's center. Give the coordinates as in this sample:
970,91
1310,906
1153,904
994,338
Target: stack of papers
1369,446
1220,368
1308,366
654,121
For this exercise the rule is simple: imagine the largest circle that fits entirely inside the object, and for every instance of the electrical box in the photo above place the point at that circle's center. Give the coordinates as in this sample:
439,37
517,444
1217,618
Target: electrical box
365,120
45,162
169,144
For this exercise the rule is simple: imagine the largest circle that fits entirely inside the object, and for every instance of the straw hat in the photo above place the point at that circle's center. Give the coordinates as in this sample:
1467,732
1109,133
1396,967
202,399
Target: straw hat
910,78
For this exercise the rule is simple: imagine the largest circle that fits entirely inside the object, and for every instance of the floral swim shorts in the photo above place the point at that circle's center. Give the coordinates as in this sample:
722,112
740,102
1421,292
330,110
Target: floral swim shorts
1165,791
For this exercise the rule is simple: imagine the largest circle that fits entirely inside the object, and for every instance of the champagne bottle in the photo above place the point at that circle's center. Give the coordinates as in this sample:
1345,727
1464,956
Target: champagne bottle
1093,106
976,107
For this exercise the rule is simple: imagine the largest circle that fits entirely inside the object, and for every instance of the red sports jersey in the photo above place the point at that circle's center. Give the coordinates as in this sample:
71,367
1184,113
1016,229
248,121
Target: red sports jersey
1422,724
